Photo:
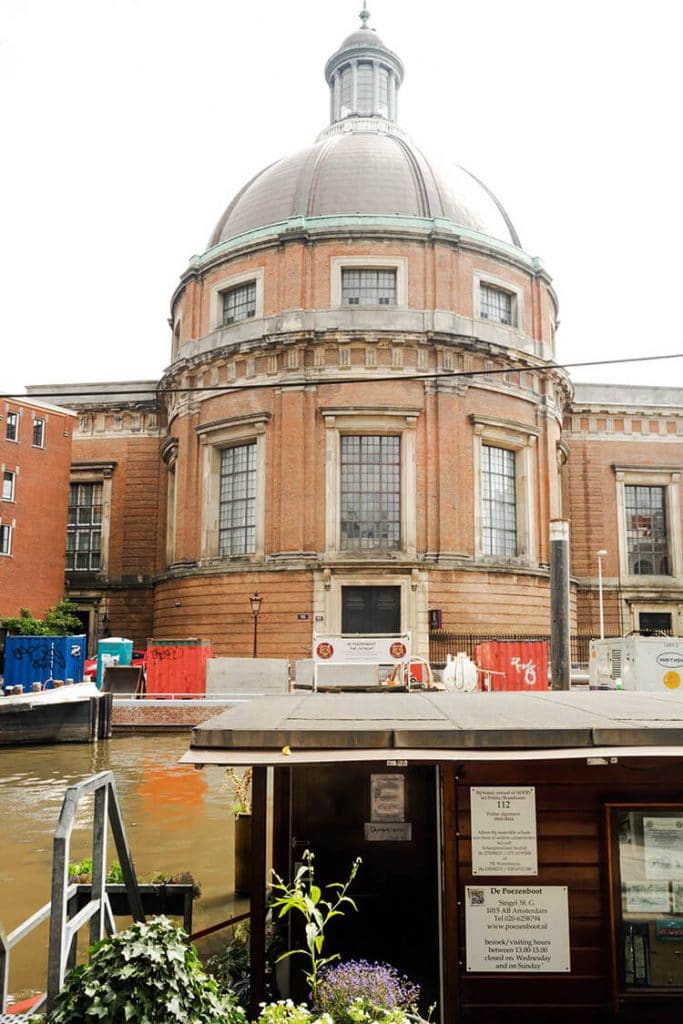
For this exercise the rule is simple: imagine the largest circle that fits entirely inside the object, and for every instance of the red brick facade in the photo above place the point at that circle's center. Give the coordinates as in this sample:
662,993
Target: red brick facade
34,467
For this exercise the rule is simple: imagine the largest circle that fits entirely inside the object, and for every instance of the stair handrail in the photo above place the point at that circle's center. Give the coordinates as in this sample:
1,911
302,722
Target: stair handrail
63,931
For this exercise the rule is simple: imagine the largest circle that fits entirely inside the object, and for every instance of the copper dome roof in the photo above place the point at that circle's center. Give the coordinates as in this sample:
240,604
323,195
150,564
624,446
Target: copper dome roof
363,163
363,172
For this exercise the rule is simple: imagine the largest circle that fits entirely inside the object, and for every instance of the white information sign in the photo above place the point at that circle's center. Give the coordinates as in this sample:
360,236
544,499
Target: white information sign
517,929
663,840
503,823
379,650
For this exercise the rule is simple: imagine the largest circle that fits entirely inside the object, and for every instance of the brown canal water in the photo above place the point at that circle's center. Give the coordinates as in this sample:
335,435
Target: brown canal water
177,819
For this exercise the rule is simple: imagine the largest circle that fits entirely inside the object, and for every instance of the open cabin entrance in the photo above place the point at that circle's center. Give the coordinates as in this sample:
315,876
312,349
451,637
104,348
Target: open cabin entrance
396,889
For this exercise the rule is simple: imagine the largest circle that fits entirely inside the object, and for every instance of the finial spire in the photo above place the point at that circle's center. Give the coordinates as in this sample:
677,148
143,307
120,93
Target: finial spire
364,14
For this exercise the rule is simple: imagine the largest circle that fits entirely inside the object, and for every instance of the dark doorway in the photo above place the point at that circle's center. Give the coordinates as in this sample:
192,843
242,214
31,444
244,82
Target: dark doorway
397,885
654,622
84,617
371,610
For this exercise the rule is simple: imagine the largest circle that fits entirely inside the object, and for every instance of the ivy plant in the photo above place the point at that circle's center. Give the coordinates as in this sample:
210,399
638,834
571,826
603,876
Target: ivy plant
145,975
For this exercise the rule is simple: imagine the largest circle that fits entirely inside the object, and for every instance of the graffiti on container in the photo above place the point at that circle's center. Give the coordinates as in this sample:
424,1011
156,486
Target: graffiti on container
528,668
164,654
40,656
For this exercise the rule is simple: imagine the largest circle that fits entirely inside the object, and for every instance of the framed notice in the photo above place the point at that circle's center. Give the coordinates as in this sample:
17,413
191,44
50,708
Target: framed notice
663,846
517,929
387,797
503,825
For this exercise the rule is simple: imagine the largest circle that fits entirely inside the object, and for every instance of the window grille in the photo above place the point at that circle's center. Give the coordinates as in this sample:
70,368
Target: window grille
84,529
495,304
369,287
237,501
499,501
239,303
370,492
646,531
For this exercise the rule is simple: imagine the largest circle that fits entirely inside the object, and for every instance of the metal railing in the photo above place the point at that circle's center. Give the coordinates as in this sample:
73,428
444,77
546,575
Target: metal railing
64,926
443,642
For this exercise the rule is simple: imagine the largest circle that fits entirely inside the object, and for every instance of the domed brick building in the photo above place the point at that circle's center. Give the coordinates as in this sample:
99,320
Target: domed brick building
323,447
362,420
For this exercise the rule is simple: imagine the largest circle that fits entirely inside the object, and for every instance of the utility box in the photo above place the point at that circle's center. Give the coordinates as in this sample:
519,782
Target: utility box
42,659
651,663
513,664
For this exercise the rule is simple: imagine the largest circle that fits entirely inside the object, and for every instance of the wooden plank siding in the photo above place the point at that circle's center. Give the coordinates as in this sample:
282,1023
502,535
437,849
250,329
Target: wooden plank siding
572,851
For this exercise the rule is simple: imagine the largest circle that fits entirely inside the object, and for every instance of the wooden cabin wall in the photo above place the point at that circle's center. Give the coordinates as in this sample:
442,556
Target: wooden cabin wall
572,851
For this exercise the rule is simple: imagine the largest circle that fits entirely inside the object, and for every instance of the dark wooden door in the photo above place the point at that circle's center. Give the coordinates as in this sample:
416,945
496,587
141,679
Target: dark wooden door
396,888
371,610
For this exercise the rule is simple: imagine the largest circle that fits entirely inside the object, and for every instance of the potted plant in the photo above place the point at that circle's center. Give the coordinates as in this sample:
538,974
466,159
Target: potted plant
239,785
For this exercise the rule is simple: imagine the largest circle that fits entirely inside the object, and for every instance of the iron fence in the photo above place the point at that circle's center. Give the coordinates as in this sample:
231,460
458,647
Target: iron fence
443,642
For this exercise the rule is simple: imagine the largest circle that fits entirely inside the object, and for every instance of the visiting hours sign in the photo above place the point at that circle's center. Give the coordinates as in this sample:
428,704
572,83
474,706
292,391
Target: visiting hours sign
517,928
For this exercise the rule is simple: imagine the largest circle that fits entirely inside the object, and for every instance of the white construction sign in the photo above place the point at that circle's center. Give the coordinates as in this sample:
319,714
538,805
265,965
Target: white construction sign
503,824
517,929
378,650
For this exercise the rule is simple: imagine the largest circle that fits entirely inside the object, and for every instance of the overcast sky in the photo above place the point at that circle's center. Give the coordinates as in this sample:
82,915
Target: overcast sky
128,125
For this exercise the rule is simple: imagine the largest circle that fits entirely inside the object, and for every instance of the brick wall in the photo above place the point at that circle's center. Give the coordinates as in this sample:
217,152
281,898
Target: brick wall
32,576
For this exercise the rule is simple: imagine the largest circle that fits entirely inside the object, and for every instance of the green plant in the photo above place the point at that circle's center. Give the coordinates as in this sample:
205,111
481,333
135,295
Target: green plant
145,975
306,897
60,620
81,871
360,1011
231,966
287,1012
240,786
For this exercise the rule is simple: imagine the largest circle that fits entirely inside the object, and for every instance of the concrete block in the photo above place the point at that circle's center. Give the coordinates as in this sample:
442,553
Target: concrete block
247,675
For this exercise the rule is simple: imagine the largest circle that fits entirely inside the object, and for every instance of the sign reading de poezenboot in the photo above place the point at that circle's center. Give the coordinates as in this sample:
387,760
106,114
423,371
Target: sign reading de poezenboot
517,928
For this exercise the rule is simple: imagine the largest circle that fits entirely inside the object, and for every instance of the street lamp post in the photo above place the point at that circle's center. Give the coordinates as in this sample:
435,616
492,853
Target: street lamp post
600,555
255,600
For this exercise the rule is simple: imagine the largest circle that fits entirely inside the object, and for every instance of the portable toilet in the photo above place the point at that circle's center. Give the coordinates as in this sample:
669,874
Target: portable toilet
114,650
41,659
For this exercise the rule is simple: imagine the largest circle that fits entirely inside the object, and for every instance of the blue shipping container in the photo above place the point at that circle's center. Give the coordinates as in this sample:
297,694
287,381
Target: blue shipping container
40,659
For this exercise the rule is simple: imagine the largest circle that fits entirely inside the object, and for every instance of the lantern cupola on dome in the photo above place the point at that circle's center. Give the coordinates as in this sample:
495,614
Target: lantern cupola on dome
364,76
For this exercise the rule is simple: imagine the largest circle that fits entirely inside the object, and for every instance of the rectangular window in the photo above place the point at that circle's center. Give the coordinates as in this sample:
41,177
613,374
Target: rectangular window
239,303
496,304
5,539
365,86
12,427
370,492
84,530
369,287
38,434
646,853
499,501
237,501
8,479
646,533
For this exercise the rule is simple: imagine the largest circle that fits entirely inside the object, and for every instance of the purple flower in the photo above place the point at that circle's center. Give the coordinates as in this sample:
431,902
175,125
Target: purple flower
378,985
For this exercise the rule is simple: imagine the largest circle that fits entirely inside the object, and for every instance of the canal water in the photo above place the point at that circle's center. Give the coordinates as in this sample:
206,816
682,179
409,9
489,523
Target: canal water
177,819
